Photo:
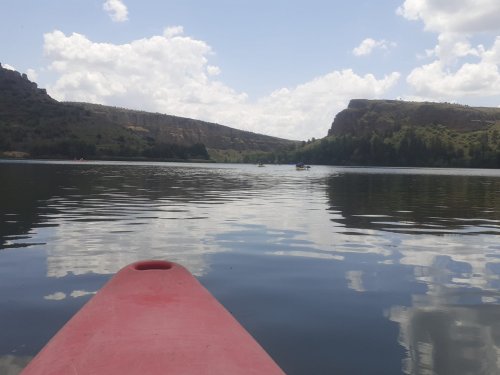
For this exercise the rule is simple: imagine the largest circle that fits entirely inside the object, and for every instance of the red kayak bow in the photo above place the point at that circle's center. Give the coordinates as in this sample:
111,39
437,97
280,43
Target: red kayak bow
152,317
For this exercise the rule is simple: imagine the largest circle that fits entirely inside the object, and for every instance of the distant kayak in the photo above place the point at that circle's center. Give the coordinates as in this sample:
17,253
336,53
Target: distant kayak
152,317
302,167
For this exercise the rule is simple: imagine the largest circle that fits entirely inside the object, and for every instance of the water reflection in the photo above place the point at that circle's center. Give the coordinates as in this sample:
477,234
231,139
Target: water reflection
12,365
337,256
447,230
417,203
97,218
57,296
449,339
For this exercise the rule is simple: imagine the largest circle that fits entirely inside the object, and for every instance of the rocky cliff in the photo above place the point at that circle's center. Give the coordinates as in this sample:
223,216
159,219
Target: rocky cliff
15,84
364,116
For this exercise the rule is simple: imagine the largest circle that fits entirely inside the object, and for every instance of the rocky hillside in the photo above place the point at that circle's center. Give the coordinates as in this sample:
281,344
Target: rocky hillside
185,131
397,133
32,124
365,116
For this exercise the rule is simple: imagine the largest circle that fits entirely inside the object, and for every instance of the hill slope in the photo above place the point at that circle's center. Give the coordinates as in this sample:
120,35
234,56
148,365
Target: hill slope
397,133
365,116
34,124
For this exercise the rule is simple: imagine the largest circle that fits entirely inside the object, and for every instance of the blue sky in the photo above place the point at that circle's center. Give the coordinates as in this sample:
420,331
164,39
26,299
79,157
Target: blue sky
283,68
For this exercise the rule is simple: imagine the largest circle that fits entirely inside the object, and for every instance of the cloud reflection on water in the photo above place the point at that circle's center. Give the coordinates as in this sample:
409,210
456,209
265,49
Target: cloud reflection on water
12,364
444,231
100,233
453,327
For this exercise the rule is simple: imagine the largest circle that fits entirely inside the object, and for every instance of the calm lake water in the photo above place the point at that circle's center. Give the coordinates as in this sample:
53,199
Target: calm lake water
333,270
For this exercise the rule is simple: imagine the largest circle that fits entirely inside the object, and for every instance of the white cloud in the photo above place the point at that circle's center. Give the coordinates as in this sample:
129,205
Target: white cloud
171,73
368,45
32,75
452,47
116,10
435,82
313,105
172,31
8,67
460,69
213,70
457,16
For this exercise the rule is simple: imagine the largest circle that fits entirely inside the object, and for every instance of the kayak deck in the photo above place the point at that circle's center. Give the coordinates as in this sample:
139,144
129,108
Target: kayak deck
152,317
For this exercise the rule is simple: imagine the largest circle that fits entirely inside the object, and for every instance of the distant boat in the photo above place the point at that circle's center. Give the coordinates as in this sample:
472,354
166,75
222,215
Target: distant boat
302,167
260,165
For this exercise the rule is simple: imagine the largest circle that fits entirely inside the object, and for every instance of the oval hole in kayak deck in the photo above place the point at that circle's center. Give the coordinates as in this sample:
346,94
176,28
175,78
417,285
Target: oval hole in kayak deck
153,265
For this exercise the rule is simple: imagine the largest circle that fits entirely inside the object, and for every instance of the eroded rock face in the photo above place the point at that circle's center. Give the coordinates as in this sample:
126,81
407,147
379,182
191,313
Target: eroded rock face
363,116
15,85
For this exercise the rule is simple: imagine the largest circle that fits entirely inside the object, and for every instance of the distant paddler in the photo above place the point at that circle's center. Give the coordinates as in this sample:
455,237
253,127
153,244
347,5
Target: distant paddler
302,167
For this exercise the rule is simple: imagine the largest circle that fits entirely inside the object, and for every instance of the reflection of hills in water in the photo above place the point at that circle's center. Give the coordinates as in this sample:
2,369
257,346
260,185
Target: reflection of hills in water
417,203
87,217
419,220
447,229
97,218
441,230
19,209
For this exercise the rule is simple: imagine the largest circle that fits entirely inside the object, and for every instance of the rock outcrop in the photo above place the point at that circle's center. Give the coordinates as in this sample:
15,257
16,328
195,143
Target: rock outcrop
363,116
16,85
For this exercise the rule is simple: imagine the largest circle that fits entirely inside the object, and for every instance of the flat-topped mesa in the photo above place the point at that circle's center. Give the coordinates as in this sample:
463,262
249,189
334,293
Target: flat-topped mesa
365,116
359,103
